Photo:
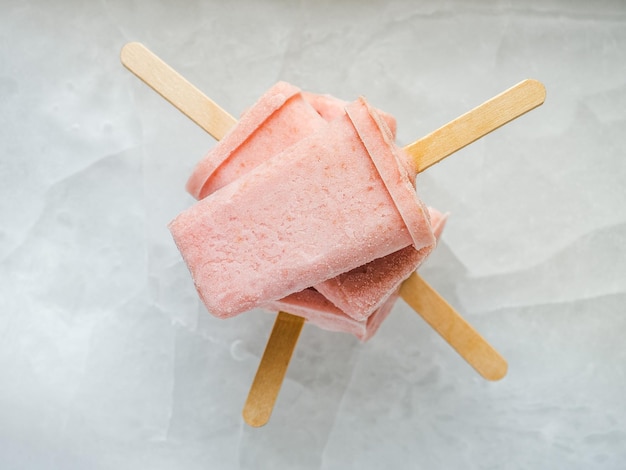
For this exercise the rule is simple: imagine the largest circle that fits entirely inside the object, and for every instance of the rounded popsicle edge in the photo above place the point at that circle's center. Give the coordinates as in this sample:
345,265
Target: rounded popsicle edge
133,52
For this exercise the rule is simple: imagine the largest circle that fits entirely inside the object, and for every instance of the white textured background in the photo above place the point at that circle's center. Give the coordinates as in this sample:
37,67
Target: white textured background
107,359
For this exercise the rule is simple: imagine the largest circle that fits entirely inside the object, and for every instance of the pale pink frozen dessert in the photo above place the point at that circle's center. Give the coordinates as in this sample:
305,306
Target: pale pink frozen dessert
268,127
263,130
330,203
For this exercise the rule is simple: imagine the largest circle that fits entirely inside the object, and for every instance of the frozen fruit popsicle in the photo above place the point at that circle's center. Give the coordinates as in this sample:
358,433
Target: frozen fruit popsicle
265,129
247,244
278,119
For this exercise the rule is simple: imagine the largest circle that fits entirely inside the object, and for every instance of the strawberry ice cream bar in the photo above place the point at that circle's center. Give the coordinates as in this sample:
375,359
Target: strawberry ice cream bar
265,129
328,204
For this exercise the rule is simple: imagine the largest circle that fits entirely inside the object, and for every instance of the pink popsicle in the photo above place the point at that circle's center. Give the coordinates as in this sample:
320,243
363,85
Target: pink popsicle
264,129
268,127
248,243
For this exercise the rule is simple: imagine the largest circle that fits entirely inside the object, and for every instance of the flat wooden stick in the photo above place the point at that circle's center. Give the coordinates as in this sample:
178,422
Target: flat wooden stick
271,372
478,122
174,88
453,328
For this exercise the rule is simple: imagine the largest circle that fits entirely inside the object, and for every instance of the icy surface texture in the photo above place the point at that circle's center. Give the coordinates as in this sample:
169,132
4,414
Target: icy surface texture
108,360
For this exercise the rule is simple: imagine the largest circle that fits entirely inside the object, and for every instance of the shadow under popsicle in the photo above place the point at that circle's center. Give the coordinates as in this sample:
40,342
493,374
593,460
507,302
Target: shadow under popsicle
427,151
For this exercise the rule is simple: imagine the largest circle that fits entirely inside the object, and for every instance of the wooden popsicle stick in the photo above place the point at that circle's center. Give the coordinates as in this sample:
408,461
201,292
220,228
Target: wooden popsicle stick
271,372
478,122
453,328
174,88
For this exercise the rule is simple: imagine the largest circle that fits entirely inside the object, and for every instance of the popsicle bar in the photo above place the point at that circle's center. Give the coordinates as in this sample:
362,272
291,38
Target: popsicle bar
271,125
247,244
427,151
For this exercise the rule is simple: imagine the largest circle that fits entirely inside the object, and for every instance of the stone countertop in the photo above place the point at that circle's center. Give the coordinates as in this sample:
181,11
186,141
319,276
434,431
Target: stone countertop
107,357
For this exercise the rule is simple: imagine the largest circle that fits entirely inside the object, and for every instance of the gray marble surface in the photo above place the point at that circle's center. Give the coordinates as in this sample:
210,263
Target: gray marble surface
109,361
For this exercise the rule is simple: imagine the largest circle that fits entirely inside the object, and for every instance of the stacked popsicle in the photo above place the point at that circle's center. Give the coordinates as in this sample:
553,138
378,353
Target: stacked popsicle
336,198
356,301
